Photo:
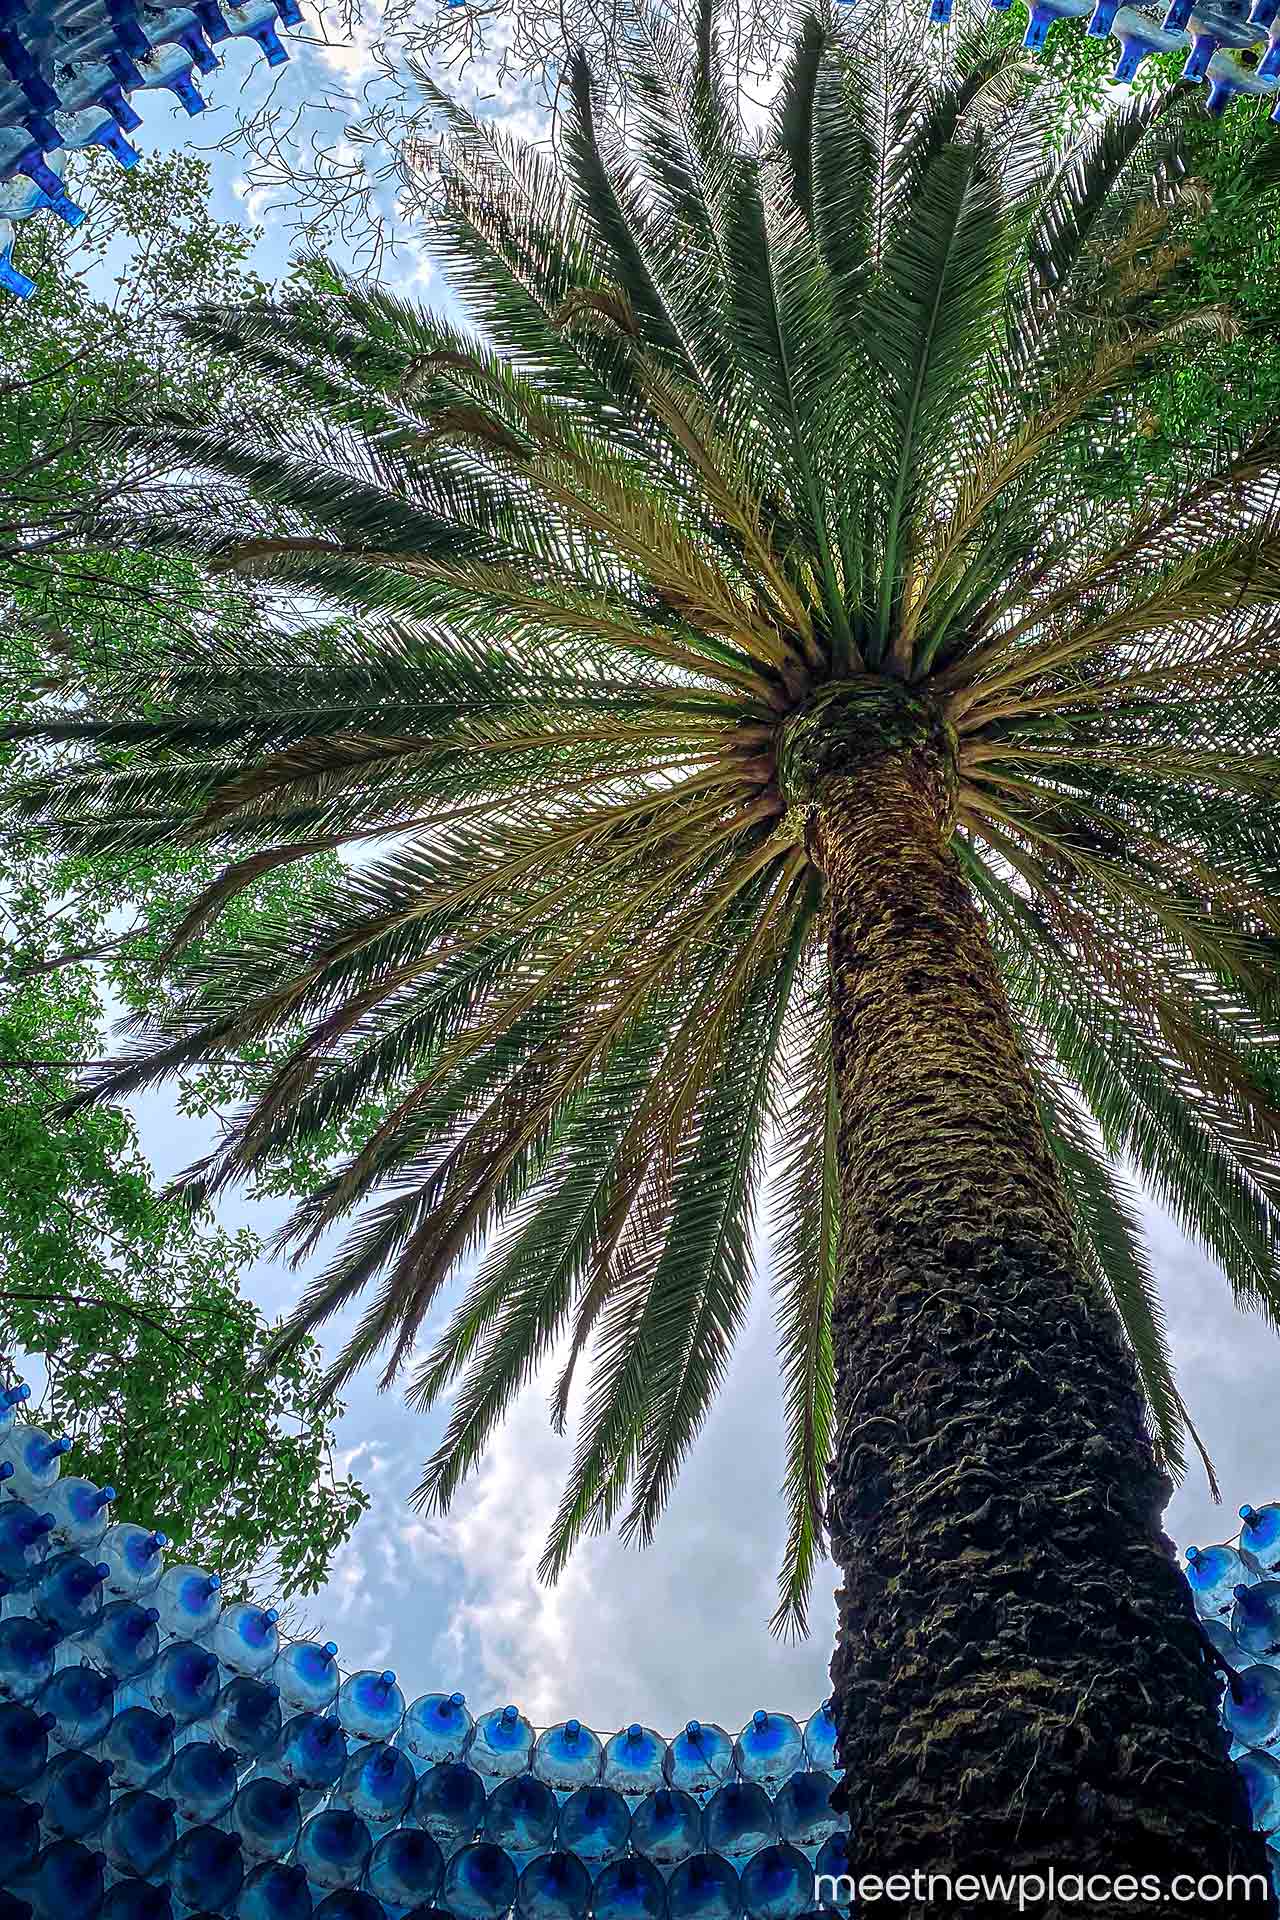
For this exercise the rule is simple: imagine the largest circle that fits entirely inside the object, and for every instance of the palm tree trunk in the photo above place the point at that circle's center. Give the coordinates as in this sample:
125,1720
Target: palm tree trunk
1019,1680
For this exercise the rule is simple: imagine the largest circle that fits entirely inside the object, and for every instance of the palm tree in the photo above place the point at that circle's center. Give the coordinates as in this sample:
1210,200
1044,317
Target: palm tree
770,763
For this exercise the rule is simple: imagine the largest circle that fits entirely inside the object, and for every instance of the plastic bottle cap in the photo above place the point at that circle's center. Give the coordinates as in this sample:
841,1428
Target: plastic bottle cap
634,1732
1193,1554
330,1647
694,1729
759,1719
1249,1515
271,1616
457,1699
6,1470
48,1721
105,1496
509,1716
387,1679
100,1572
1240,1591
572,1728
151,1615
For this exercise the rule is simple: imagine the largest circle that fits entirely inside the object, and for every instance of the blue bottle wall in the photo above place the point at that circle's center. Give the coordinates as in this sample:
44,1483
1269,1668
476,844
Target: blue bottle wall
74,73
164,1756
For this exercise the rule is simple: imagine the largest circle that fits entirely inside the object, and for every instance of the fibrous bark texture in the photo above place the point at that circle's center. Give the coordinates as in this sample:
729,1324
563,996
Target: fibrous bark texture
1019,1679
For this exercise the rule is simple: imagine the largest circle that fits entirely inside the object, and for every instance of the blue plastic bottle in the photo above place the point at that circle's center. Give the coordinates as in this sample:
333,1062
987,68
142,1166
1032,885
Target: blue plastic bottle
169,66
405,1869
27,1647
1044,14
1228,80
95,127
371,1705
245,1638
820,1740
803,1810
188,1599
436,1727
1213,1574
667,1828
35,1456
21,196
24,1745
633,1762
19,1837
254,20
66,1879
449,1805
77,1795
201,1782
268,1818
1261,1773
313,1752
11,280
24,1541
629,1889
81,1512
740,1820
91,83
184,1681
133,1555
207,1868
139,1834
704,1888
349,1903
776,1883
479,1883
273,1892
307,1675
139,1745
770,1747
334,1848
502,1744
699,1759
520,1815
1259,1541
1218,1635
136,1900
124,1639
81,1700
1140,37
555,1886
1251,1706
11,1398
377,1783
1255,1619
568,1756
595,1823
248,1718
68,1591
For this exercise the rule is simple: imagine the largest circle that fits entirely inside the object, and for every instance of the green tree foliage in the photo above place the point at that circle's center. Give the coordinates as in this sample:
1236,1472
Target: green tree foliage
123,1303
737,420
1231,173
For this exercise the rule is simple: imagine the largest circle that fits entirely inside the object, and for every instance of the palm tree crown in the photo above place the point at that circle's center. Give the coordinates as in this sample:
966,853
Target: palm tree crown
738,419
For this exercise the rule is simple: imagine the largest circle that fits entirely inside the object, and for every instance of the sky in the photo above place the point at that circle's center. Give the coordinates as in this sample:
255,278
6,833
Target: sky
682,1628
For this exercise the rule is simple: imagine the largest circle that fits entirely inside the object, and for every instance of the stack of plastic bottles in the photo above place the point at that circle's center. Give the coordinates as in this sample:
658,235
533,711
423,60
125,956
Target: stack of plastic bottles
68,69
1213,35
166,1756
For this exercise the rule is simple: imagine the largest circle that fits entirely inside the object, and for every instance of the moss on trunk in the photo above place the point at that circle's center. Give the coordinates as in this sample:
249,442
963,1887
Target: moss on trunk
1019,1679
